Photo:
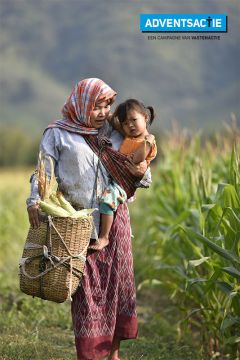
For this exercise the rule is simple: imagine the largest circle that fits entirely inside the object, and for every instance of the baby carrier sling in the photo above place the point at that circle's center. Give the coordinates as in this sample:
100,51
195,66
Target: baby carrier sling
114,162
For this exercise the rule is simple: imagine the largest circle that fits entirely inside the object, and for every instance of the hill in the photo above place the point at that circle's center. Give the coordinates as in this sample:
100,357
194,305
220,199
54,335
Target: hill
47,46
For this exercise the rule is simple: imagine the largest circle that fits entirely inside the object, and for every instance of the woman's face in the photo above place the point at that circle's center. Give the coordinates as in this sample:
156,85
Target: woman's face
99,114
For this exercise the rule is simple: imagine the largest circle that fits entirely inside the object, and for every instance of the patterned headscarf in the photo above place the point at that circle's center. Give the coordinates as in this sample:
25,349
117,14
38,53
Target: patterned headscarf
78,107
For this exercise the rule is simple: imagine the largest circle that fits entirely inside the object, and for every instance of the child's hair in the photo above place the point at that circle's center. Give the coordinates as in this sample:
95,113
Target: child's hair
133,104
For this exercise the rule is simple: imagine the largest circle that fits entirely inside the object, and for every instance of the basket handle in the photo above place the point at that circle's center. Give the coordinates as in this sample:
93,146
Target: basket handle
51,224
30,259
50,258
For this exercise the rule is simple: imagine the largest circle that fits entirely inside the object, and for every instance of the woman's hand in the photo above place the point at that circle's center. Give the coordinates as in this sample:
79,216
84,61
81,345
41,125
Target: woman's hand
137,170
33,215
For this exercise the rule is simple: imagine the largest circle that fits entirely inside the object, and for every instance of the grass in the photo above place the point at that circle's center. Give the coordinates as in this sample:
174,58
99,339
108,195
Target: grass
35,329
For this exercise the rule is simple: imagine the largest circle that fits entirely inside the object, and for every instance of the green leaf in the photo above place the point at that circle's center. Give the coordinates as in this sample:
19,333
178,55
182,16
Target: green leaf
233,340
212,279
236,305
198,261
227,322
227,196
217,249
234,168
207,207
232,271
195,281
234,215
149,282
192,312
225,287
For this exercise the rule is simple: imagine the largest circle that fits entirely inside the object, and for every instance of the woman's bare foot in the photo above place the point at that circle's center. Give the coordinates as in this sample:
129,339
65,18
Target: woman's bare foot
102,242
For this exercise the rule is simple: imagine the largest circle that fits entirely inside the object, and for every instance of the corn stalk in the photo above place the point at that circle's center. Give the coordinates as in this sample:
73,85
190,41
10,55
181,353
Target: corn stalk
193,231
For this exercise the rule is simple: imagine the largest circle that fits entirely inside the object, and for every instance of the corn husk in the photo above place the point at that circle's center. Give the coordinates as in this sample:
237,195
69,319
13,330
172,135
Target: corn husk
82,213
65,204
46,185
52,209
53,202
41,176
53,198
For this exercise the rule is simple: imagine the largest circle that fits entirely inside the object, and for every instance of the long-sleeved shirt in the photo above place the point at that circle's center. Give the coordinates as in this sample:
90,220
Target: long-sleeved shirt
75,167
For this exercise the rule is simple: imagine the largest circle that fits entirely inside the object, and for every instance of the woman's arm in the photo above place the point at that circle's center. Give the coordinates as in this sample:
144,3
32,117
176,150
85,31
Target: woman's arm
141,171
137,170
32,205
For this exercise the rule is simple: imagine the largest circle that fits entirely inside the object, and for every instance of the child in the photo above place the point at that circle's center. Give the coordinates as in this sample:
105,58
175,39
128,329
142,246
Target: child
131,119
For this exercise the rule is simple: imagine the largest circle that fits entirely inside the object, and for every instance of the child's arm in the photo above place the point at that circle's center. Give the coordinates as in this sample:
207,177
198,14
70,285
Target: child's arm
142,152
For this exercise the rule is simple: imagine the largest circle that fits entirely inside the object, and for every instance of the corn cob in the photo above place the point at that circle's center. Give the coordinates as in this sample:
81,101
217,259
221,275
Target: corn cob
54,199
53,203
53,210
65,204
82,213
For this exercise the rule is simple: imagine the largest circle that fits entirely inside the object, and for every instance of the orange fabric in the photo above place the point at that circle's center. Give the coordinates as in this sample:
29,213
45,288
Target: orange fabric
130,145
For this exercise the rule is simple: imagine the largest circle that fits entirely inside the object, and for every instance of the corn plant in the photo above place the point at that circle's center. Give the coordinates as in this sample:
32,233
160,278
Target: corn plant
189,210
215,276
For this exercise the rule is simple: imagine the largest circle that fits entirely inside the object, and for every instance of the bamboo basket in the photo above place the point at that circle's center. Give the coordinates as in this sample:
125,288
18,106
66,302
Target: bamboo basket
54,256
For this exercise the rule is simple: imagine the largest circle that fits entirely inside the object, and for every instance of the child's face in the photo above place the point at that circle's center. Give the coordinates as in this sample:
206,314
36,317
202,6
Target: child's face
99,114
135,124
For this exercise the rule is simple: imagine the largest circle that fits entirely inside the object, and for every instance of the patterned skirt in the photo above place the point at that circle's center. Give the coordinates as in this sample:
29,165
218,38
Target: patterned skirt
105,303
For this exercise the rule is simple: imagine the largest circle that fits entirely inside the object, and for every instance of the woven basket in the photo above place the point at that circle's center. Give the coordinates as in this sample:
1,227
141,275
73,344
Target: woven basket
54,256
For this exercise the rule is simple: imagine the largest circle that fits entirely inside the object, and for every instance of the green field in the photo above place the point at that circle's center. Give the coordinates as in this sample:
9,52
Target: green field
186,249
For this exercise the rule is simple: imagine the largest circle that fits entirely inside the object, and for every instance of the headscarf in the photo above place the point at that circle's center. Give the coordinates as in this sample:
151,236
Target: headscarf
78,107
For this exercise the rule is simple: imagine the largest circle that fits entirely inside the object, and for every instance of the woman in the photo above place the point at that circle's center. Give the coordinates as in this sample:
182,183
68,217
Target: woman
104,306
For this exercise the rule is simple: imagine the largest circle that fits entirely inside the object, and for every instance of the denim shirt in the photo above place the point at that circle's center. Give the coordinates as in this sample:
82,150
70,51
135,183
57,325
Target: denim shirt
75,167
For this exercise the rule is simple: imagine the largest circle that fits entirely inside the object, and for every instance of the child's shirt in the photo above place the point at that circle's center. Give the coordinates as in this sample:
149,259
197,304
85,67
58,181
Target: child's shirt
130,145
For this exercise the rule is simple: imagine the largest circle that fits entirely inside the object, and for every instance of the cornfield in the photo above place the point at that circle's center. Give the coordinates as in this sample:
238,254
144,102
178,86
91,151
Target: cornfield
190,237
186,247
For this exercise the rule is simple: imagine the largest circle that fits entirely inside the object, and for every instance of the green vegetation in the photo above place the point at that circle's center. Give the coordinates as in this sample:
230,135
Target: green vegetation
190,238
47,46
36,329
17,148
186,261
